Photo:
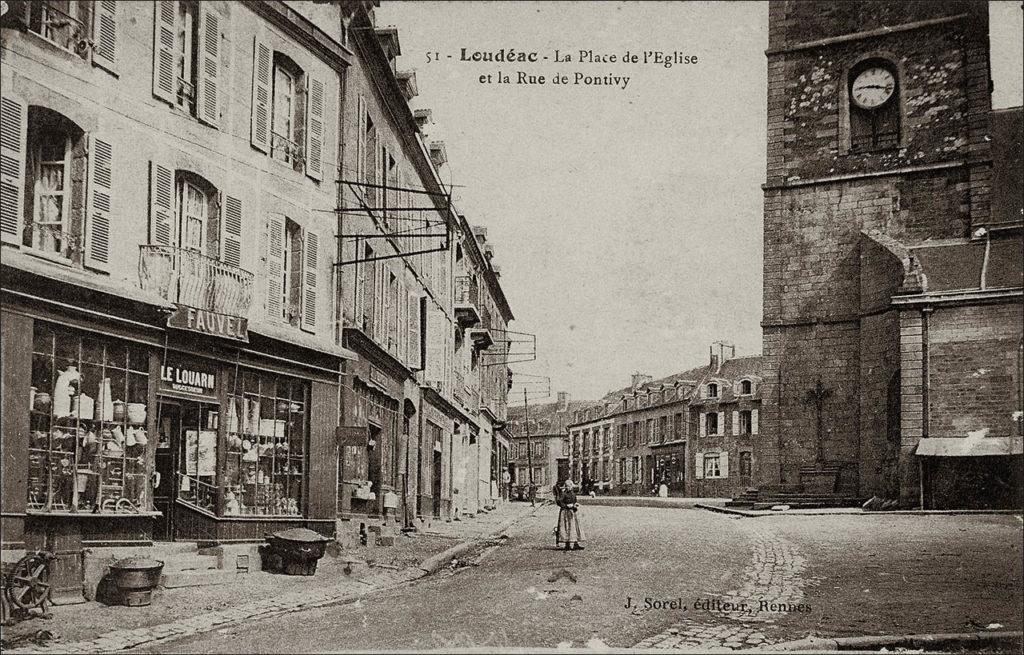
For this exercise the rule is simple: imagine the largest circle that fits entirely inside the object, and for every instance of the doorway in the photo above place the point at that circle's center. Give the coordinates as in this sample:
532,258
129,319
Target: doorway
436,483
186,455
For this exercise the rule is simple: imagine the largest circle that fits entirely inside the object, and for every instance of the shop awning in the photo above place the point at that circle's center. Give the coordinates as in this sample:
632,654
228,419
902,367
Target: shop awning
301,339
970,446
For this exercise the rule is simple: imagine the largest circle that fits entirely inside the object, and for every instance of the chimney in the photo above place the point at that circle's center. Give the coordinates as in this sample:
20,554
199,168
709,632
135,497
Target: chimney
640,379
422,117
438,154
563,401
726,351
388,38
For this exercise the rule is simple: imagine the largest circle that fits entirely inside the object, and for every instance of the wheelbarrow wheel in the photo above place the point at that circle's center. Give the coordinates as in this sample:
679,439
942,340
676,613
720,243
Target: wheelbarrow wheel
27,587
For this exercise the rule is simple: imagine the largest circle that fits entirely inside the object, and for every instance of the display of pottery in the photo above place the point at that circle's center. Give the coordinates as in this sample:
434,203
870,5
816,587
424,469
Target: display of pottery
231,421
42,401
136,413
62,391
84,407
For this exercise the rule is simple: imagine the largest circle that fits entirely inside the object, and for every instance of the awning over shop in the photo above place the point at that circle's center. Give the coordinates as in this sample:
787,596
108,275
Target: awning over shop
970,446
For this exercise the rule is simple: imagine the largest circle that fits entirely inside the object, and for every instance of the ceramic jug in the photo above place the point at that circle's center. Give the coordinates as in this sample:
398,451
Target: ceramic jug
120,411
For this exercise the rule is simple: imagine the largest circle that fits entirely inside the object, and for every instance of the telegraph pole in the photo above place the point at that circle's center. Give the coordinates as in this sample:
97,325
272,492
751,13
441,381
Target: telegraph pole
529,450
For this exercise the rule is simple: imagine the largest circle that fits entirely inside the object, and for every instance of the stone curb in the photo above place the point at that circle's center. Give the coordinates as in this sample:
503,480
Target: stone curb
120,640
975,640
825,512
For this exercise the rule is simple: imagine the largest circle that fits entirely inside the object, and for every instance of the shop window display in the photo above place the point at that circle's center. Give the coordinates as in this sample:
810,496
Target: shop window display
266,428
88,445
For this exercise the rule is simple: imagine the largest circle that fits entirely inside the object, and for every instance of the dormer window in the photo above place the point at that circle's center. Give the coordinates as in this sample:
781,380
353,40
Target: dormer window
874,106
712,390
746,387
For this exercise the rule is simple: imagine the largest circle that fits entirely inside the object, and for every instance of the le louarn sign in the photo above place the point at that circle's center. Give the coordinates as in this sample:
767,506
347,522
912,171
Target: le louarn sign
212,323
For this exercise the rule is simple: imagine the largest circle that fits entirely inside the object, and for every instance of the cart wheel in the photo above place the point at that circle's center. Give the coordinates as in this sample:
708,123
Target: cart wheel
27,590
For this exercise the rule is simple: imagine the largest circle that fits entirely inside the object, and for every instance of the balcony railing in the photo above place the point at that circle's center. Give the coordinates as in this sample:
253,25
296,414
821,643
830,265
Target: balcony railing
191,278
466,312
50,238
56,25
284,149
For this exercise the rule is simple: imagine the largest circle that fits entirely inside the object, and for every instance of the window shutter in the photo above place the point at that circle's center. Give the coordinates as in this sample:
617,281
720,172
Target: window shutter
262,60
435,346
164,79
207,95
735,423
98,216
309,273
104,34
161,205
721,423
13,127
231,231
753,421
703,425
315,110
274,257
698,468
415,361
723,464
361,141
737,388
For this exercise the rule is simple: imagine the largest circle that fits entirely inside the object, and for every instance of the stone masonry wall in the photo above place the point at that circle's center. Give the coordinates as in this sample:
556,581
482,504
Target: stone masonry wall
973,369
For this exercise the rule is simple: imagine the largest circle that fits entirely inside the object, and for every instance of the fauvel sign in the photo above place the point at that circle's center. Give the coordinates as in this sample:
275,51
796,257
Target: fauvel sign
212,323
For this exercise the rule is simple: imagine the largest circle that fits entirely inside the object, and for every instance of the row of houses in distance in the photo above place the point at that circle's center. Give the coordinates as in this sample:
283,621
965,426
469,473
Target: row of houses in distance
694,431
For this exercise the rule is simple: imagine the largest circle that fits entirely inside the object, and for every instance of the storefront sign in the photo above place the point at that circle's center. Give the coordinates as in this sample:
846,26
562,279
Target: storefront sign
212,323
189,379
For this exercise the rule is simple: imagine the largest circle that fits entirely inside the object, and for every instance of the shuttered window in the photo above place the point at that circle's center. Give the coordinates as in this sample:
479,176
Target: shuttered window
186,57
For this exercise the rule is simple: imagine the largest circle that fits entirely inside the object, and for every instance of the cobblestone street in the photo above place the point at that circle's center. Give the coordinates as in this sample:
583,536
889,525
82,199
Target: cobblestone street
852,575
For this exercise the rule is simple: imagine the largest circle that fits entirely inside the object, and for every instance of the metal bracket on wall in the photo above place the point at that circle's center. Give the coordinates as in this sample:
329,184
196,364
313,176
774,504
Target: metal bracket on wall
518,347
384,218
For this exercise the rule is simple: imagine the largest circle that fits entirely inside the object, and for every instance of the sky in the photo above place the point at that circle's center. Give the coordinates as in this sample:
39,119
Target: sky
625,217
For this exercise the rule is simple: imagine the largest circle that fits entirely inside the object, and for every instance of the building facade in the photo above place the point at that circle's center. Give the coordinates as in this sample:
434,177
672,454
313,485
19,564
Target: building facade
217,322
882,208
697,432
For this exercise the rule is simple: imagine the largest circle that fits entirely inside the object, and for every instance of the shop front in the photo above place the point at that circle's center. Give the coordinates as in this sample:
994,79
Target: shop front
372,443
235,434
669,466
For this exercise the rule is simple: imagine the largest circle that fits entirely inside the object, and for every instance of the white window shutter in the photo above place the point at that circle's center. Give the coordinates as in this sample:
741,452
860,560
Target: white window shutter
414,359
98,253
753,421
721,423
104,35
723,464
311,244
208,93
737,388
735,423
698,468
361,140
262,63
315,116
161,205
231,231
703,425
13,128
165,82
274,255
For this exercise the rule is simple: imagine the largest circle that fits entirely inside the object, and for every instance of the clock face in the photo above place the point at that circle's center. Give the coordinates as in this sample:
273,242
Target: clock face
873,87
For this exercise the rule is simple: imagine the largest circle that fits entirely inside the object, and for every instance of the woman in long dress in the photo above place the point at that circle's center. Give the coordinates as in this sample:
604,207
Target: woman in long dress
569,531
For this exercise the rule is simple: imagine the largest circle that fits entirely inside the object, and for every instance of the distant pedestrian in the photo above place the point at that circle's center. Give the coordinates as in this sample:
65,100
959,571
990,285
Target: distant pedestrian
569,531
